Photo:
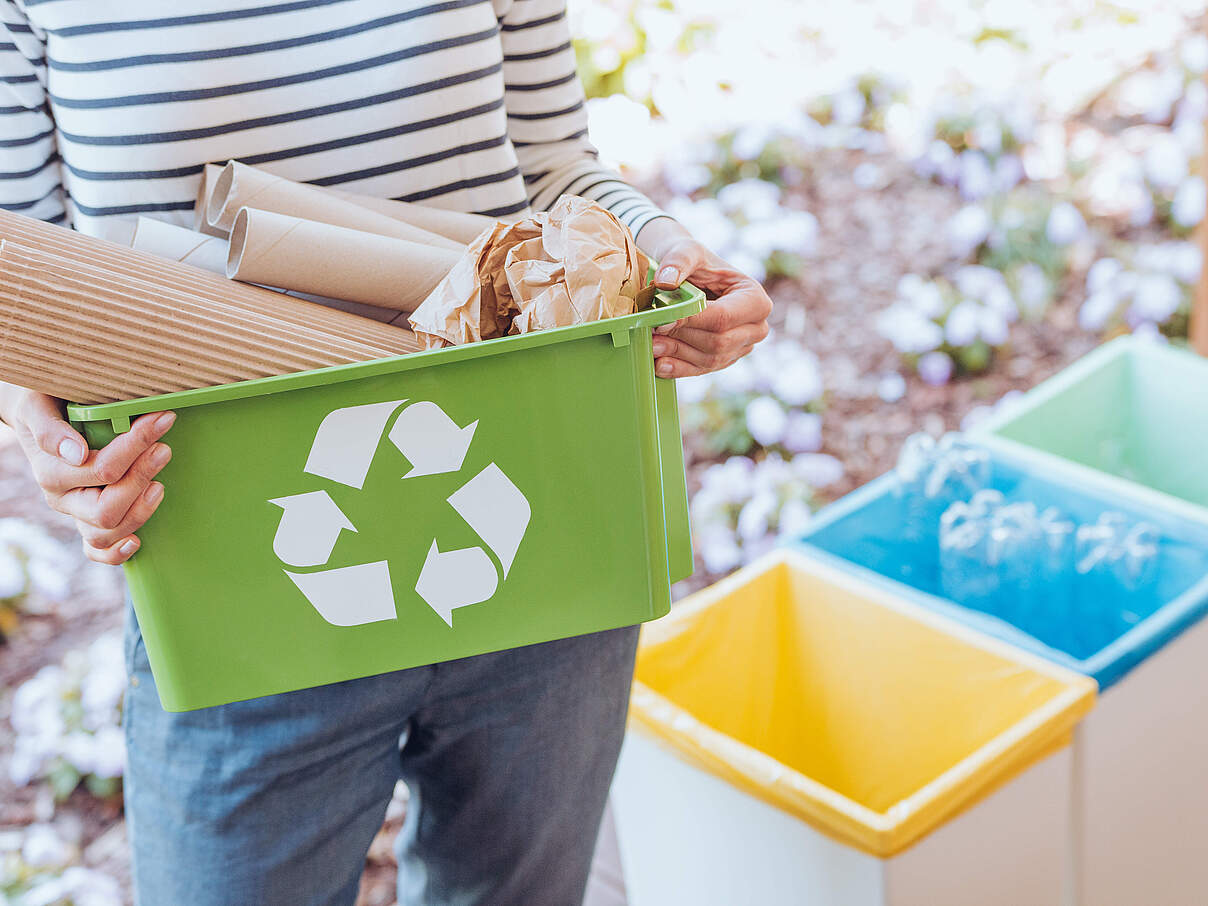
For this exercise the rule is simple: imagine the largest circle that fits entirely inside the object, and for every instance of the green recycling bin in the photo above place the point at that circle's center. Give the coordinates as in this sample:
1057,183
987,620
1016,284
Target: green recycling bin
349,521
1131,416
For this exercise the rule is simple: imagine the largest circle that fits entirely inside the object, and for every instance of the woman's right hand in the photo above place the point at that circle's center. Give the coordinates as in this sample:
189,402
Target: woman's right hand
110,492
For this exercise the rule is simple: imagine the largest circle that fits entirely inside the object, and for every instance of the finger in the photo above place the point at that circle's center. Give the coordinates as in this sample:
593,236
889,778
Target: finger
114,555
53,435
677,368
667,328
707,341
106,508
743,306
112,462
677,263
136,517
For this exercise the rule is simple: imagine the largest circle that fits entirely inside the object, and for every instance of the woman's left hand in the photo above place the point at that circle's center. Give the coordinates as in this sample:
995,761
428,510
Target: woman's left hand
734,321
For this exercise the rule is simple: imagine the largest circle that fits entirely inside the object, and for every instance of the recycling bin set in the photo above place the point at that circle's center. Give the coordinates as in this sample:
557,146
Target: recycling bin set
801,735
1132,415
1140,803
353,520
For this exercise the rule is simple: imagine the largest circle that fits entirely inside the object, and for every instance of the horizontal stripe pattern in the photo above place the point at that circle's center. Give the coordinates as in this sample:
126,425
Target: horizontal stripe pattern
111,108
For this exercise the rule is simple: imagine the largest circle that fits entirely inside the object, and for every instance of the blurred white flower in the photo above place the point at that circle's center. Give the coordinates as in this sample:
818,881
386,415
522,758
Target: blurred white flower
746,262
692,390
1194,53
730,479
798,382
922,295
908,330
1187,208
13,580
1097,310
1166,162
1102,274
1033,289
818,469
935,368
992,326
847,106
70,713
719,550
766,420
964,323
1065,224
891,387
867,175
44,848
754,199
794,518
968,229
755,517
1157,297
1008,173
803,433
976,177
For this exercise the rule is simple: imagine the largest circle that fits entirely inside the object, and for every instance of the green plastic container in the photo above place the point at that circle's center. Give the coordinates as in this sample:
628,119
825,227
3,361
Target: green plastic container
1132,415
354,520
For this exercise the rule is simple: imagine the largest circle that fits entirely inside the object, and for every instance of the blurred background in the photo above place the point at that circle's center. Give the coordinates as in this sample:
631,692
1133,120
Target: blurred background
948,202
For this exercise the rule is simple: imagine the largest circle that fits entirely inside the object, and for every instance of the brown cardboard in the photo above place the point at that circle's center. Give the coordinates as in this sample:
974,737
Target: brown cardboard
455,225
91,321
186,246
279,250
240,186
209,176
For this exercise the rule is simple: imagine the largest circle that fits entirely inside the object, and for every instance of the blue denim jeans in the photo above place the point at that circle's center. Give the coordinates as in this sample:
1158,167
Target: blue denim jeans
508,757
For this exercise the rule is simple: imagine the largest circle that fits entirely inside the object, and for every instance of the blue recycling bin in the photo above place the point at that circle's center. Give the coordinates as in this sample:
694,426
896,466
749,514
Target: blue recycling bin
1099,629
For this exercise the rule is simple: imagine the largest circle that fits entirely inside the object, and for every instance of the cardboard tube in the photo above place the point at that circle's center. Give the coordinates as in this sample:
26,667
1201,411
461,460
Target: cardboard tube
186,246
240,186
332,261
209,176
455,225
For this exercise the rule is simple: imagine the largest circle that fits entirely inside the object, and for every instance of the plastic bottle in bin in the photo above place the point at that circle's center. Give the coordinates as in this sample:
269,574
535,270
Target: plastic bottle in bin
965,542
932,475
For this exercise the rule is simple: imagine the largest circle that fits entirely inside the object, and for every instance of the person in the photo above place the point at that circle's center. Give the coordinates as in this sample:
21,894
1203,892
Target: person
110,110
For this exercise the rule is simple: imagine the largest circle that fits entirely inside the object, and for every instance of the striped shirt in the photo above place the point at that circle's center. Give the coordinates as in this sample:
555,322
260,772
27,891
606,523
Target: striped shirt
110,108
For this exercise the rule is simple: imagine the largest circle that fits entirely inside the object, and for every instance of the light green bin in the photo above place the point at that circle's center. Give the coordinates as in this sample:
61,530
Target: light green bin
565,514
1132,415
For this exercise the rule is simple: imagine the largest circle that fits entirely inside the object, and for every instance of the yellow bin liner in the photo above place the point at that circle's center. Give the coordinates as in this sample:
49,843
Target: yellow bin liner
863,714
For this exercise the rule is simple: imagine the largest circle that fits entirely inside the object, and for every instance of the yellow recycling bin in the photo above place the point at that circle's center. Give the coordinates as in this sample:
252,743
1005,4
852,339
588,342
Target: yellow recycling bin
800,736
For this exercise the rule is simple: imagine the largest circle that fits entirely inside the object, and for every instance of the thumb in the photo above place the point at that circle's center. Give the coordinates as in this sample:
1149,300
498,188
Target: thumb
42,418
676,266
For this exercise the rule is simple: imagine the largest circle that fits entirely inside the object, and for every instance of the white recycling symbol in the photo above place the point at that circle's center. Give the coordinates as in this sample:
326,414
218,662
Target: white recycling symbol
342,451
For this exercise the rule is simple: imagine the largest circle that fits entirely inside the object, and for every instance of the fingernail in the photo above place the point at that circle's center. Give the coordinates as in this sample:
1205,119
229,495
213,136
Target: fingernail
164,422
660,347
161,455
668,274
128,547
664,368
154,491
72,451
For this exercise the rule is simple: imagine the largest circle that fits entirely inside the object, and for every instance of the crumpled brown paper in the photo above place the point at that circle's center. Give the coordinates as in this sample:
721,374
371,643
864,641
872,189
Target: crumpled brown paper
573,264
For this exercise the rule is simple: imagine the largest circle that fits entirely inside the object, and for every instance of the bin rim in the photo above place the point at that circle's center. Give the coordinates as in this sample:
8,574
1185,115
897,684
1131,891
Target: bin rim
1109,664
988,430
881,834
668,306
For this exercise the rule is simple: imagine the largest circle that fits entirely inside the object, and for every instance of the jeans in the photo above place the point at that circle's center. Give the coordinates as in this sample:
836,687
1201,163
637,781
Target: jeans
508,757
